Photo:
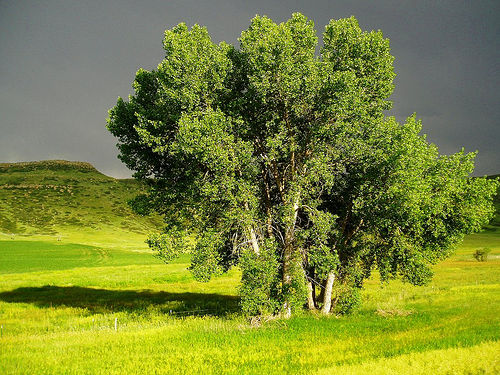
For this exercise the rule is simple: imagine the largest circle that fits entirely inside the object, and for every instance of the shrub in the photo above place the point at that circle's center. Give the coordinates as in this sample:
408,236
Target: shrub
260,277
481,255
348,299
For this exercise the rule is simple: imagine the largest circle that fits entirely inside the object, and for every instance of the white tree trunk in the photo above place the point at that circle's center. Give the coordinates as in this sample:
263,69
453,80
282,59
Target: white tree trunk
253,240
327,299
310,296
287,310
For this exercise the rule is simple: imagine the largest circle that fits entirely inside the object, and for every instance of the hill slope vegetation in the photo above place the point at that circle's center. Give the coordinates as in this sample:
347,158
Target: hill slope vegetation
56,197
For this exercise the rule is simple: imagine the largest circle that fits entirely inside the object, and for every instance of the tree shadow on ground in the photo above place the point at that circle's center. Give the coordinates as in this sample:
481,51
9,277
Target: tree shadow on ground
132,301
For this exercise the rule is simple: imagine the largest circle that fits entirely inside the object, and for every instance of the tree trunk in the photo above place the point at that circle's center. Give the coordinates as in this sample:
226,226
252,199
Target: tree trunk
253,240
322,290
287,272
314,296
327,298
253,237
289,257
311,305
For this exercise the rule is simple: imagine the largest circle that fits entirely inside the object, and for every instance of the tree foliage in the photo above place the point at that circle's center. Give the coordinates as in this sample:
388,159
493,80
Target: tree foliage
282,161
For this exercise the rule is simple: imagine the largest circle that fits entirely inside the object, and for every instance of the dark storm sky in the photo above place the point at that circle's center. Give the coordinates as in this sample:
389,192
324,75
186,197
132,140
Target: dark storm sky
64,63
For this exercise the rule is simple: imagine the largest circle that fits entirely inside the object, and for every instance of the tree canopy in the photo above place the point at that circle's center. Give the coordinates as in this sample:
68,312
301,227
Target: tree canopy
281,160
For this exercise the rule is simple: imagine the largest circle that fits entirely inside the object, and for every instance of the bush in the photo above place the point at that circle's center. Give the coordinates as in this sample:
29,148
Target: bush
347,299
260,275
481,255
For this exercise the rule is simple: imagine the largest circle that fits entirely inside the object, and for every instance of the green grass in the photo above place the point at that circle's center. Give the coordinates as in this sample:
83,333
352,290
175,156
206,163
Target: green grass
31,256
60,296
61,320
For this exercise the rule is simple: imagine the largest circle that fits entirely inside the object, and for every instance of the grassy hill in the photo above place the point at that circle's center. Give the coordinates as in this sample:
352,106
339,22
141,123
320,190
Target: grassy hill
62,198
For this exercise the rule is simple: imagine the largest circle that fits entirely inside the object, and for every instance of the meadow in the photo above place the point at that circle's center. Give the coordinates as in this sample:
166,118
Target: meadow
98,302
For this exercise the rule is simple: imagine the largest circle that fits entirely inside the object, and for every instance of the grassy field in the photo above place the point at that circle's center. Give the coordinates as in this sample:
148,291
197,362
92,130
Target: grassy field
60,298
58,311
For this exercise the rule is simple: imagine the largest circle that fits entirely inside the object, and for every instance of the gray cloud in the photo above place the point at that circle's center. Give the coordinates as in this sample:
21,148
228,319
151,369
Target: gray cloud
64,63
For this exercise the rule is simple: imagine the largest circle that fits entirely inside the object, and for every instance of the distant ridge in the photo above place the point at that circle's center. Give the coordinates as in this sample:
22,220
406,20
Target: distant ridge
47,164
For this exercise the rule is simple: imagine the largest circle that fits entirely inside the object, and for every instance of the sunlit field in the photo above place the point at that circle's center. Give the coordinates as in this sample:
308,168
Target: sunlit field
59,303
80,293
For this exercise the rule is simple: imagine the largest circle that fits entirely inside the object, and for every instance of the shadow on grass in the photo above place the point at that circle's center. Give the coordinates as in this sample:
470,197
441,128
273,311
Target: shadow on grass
132,301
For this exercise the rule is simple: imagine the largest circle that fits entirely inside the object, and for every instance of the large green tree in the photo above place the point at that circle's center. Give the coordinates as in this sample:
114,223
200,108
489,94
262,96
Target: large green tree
281,160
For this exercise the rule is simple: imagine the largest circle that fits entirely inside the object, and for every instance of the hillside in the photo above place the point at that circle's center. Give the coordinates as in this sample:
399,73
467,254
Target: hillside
58,197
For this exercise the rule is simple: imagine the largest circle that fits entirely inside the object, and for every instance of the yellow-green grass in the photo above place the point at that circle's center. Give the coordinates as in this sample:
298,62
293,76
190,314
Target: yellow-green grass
63,285
62,320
